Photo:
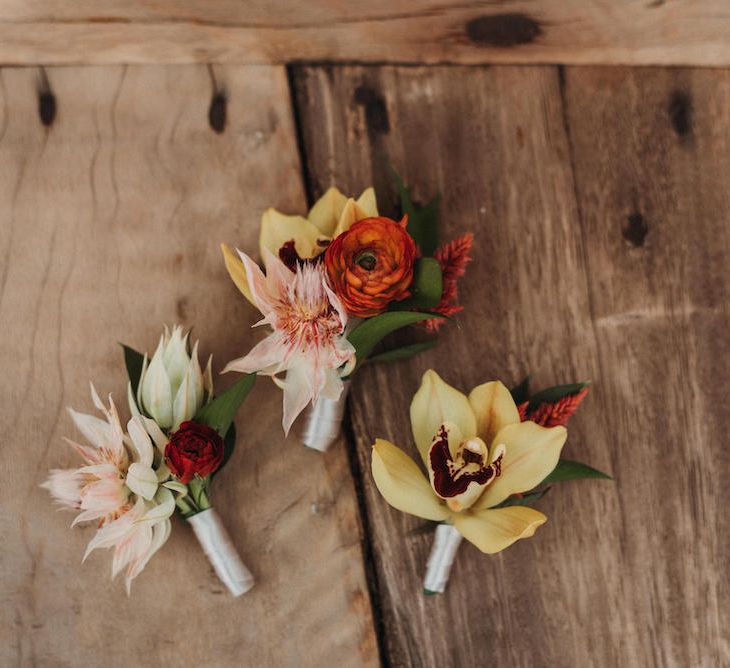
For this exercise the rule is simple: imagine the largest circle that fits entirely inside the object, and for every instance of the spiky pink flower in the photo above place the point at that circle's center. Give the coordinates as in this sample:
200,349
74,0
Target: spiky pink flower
307,342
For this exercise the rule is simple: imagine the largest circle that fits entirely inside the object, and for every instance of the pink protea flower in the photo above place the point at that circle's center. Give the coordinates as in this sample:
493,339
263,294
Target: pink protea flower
98,488
307,342
120,486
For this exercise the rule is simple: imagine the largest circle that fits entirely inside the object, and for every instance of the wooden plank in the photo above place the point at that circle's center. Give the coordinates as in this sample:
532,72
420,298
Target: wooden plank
624,573
112,214
429,31
652,166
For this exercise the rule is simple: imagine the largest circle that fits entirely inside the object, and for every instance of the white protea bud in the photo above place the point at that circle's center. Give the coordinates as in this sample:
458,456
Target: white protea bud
172,387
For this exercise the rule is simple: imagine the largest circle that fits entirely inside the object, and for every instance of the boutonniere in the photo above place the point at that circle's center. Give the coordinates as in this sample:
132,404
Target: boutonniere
334,284
134,477
488,457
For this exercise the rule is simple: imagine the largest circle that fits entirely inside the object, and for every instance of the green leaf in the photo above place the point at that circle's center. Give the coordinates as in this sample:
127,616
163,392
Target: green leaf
426,288
229,444
422,221
553,394
220,412
521,393
371,331
570,470
526,499
403,352
133,360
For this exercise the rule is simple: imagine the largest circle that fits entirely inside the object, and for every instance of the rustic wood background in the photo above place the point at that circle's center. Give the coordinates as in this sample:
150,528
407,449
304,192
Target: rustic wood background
599,197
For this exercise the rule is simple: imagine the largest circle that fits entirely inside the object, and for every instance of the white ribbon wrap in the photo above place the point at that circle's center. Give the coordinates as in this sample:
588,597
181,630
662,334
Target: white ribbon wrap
446,542
322,420
221,553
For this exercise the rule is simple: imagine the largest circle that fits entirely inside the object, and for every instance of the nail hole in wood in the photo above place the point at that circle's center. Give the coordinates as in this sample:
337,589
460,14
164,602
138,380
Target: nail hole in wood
635,230
46,107
217,112
376,112
679,109
503,30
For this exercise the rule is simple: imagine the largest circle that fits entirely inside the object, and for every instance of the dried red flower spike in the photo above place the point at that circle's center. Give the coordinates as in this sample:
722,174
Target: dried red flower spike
453,258
553,414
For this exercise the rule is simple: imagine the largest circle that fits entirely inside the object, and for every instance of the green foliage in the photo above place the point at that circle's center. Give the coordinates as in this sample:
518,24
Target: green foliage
570,470
219,413
426,287
403,352
521,393
371,331
525,499
133,360
229,443
422,221
553,394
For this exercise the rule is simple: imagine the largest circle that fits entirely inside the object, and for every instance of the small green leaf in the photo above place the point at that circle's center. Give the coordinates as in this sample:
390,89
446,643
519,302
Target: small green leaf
403,352
426,287
220,412
133,360
422,221
521,393
553,394
570,470
229,444
371,331
525,499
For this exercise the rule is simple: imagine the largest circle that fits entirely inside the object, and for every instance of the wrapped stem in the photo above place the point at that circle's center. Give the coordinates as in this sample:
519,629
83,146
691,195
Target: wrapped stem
445,544
218,547
322,420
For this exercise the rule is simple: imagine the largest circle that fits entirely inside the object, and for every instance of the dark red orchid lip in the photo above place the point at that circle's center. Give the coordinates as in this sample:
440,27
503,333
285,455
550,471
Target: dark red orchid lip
448,480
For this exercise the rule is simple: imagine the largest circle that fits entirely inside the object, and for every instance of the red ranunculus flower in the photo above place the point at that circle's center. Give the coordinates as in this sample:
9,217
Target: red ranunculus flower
194,448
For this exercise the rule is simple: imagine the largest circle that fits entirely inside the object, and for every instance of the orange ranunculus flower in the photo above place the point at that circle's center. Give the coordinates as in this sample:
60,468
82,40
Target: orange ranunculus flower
371,265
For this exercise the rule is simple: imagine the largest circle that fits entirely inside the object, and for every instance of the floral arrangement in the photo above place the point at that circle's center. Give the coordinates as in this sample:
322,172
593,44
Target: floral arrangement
335,284
132,480
488,457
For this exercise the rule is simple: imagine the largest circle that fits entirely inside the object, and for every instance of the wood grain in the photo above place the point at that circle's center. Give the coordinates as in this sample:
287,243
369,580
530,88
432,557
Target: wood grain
112,209
427,31
599,200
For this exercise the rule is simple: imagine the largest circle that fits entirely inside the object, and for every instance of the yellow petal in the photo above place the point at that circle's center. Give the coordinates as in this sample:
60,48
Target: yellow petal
237,272
531,453
277,229
402,483
434,404
494,530
494,408
327,211
349,216
368,203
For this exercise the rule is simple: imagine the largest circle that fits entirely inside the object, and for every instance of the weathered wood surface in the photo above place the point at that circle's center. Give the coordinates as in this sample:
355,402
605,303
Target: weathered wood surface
426,31
599,200
111,217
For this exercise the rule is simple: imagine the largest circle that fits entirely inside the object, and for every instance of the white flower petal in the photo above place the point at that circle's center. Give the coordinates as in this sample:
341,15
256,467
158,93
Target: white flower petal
142,480
95,431
165,506
158,436
157,391
141,442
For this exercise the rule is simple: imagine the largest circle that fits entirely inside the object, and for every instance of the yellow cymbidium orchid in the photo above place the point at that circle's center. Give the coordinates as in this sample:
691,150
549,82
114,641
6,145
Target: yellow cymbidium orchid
477,453
331,215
